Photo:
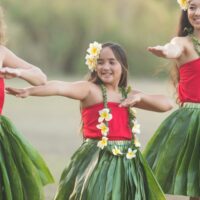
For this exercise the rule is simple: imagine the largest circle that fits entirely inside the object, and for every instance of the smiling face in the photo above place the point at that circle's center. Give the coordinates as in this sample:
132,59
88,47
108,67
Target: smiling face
194,13
109,69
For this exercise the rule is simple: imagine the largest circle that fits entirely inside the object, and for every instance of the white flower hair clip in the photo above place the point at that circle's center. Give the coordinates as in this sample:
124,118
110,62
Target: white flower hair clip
93,54
183,4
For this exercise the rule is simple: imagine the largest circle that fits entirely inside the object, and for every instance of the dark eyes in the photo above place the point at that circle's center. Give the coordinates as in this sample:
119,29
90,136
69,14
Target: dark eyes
112,63
192,7
101,63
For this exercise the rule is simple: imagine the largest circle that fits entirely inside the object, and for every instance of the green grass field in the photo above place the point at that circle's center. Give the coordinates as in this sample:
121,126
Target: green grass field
52,124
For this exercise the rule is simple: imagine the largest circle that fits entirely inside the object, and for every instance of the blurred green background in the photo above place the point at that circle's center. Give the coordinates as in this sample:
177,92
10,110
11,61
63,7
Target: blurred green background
54,35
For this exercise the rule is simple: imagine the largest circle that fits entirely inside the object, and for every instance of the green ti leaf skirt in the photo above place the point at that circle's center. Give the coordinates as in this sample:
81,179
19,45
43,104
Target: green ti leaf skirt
23,173
174,152
95,174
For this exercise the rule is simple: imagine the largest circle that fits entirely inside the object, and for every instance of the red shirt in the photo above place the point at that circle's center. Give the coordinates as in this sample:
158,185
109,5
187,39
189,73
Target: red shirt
189,84
118,126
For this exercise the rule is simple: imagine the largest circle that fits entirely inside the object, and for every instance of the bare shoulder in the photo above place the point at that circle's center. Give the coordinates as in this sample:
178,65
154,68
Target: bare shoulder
94,96
85,85
133,92
180,41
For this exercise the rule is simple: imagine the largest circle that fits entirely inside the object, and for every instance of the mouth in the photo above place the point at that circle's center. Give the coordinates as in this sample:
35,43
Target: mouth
197,20
106,73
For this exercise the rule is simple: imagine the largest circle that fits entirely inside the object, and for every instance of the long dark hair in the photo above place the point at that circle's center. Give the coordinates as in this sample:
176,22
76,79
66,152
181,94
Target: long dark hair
184,25
184,29
120,55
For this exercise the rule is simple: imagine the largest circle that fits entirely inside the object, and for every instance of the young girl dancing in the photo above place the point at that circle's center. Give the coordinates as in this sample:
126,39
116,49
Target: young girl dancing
22,170
174,150
109,164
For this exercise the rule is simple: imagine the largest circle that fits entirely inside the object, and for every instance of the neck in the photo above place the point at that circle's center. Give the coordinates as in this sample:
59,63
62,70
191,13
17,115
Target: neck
112,87
197,33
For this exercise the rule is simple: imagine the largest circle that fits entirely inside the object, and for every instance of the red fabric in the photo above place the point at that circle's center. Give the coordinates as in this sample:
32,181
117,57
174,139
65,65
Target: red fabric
189,84
2,95
118,125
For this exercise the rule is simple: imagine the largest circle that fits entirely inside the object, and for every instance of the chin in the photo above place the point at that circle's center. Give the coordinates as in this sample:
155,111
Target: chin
196,26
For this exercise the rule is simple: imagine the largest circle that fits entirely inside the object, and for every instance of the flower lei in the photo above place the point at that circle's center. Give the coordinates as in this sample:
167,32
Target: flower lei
92,56
105,116
196,43
183,4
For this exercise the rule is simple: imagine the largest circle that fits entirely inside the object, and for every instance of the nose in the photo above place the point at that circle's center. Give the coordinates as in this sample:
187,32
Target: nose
106,66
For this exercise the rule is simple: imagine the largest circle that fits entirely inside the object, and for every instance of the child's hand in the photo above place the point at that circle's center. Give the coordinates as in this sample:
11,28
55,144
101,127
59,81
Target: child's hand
8,73
169,50
23,93
131,100
158,50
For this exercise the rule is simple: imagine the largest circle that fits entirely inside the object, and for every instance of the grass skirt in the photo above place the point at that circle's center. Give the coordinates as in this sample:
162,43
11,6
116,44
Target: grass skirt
174,152
22,170
98,174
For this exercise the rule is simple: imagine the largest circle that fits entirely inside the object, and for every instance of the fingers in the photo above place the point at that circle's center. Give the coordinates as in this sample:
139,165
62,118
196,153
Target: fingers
128,102
7,72
132,100
15,92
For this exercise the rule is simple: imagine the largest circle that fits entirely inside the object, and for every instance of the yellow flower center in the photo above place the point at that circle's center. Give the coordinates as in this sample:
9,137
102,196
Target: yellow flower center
104,115
94,50
130,154
104,141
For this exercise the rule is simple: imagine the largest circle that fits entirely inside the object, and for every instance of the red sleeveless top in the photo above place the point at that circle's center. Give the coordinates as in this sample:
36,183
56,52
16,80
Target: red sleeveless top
1,94
189,83
118,126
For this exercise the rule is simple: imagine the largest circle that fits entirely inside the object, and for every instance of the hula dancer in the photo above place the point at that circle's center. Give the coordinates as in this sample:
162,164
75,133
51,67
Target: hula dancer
109,164
174,151
23,173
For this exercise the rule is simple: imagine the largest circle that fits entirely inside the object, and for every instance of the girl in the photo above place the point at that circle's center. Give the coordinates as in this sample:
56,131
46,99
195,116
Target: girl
22,170
109,164
174,151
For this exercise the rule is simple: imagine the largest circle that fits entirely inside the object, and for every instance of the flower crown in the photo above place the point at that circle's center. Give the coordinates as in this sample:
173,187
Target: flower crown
183,4
92,56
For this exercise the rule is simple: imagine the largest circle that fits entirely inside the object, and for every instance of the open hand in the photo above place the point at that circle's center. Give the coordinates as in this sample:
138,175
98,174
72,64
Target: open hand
159,51
131,101
23,93
8,73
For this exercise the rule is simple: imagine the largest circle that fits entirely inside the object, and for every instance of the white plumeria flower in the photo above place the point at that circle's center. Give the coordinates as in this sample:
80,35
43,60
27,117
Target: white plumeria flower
183,4
105,115
116,151
91,62
134,111
131,153
94,48
103,142
104,128
136,142
136,127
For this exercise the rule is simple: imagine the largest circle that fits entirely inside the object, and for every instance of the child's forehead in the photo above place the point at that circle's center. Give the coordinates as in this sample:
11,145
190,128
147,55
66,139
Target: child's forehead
106,52
196,2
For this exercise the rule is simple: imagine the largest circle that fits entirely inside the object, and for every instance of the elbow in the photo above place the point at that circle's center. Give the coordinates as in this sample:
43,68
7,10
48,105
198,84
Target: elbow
42,78
167,107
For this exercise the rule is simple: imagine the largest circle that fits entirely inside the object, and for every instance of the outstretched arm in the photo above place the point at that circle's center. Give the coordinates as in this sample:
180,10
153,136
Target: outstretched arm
14,66
171,50
76,90
157,103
